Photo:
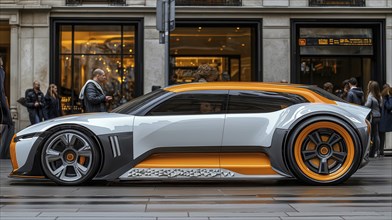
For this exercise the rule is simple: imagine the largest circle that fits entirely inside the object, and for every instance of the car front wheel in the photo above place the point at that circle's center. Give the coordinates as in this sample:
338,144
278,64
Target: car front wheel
70,157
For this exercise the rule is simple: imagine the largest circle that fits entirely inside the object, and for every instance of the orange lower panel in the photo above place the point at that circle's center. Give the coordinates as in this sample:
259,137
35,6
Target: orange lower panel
247,163
181,160
242,163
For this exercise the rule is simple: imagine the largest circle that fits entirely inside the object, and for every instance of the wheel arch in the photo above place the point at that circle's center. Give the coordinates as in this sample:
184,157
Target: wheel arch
294,129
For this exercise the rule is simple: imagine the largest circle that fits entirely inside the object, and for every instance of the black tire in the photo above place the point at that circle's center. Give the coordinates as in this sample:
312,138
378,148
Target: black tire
70,157
323,151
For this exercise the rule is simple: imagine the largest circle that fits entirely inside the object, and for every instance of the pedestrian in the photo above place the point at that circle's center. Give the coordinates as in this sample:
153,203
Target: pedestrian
52,103
355,95
342,93
386,115
373,101
6,123
35,103
328,86
92,94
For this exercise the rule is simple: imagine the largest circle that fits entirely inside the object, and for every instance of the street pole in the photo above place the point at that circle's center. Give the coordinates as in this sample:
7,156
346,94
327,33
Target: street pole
167,7
165,15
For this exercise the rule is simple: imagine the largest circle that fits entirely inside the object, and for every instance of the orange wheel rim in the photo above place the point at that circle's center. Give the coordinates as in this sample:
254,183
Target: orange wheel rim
324,151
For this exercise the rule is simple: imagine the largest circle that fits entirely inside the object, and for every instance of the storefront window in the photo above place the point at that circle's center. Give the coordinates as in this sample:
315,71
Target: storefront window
329,54
209,53
87,47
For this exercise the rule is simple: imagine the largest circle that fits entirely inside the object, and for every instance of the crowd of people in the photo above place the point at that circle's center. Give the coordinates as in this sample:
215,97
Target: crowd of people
380,103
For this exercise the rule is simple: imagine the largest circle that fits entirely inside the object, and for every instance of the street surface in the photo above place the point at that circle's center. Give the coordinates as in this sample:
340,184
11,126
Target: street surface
367,195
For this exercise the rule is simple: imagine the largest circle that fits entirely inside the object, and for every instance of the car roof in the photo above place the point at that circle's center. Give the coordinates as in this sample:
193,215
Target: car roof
297,89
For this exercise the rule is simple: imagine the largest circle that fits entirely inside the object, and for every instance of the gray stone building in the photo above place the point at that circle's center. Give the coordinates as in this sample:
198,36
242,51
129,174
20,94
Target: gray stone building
301,41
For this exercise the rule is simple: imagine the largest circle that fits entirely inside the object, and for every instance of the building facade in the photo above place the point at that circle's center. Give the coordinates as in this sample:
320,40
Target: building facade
299,41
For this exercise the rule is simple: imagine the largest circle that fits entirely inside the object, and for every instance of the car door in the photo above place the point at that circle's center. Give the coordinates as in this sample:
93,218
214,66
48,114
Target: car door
251,118
183,123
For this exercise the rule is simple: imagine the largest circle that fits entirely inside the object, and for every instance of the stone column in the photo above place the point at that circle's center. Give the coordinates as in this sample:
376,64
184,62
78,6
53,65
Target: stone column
34,55
154,55
276,41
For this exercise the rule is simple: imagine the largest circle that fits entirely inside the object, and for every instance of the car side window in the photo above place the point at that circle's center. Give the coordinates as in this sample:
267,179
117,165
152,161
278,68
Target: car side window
191,104
260,101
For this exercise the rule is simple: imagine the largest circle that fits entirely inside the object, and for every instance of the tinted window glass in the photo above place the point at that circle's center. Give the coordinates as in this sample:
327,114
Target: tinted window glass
324,93
260,102
189,104
134,104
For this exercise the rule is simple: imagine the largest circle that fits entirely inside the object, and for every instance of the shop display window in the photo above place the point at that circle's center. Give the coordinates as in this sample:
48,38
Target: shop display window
87,47
334,54
205,53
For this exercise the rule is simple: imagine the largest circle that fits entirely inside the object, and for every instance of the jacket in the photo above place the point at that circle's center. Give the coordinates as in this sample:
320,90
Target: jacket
355,95
94,99
373,103
5,113
386,115
52,107
32,97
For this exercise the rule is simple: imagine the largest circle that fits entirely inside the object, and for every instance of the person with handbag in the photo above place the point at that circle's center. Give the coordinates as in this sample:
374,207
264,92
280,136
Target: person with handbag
386,115
373,101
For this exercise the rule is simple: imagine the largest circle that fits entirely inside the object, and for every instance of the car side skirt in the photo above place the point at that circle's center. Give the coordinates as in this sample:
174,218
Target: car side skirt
202,166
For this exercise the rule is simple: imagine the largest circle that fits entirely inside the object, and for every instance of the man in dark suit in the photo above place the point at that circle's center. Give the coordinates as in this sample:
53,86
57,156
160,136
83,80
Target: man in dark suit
6,124
35,103
92,94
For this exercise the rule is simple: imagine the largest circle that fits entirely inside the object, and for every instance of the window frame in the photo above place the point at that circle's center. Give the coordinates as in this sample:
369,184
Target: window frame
224,101
278,95
55,30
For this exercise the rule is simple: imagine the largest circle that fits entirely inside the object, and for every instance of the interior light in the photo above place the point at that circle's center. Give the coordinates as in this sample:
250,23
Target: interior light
238,28
115,45
130,50
221,48
199,28
177,39
243,45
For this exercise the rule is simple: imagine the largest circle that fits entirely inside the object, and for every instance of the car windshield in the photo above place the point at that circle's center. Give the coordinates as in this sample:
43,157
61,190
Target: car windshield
137,102
324,93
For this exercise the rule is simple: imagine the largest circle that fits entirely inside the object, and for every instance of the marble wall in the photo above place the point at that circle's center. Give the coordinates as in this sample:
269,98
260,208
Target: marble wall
276,48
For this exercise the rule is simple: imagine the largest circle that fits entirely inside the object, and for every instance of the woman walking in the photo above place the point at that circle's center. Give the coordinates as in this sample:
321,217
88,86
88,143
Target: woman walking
373,101
52,103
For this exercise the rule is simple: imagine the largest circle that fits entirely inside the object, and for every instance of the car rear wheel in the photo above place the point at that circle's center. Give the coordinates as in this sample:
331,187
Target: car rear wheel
70,157
323,152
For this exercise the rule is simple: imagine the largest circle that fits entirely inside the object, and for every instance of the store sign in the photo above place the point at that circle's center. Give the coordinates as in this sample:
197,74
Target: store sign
209,2
335,42
357,3
110,2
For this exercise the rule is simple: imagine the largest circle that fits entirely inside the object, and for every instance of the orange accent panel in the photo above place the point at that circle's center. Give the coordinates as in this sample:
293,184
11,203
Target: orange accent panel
181,160
242,163
257,86
14,162
247,163
26,177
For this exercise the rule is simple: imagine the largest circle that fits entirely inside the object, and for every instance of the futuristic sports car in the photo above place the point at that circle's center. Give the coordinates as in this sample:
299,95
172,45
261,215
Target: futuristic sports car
203,131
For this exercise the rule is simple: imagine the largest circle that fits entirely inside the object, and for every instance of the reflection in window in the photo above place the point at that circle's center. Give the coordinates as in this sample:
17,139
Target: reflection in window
200,53
87,47
190,104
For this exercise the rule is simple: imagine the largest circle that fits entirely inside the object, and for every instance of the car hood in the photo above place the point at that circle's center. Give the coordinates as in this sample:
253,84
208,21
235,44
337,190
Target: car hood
99,123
